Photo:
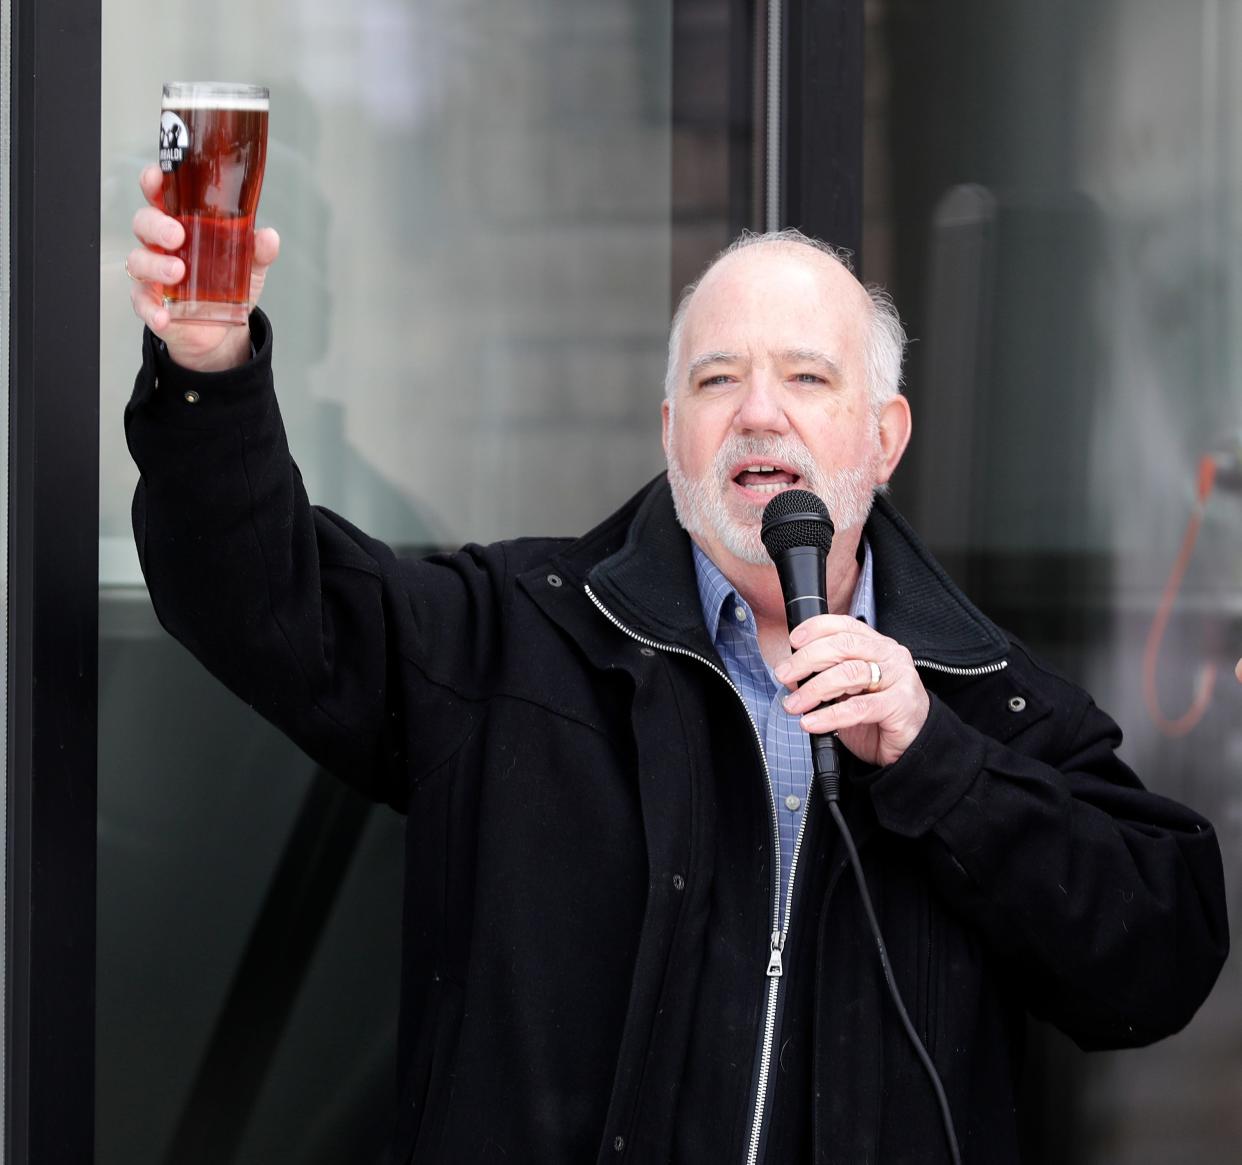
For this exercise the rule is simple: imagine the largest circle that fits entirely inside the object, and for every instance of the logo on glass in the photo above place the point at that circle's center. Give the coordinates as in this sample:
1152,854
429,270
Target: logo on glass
174,141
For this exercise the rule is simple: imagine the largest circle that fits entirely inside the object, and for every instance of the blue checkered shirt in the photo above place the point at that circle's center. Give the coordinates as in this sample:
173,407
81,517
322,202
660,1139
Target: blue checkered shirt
731,625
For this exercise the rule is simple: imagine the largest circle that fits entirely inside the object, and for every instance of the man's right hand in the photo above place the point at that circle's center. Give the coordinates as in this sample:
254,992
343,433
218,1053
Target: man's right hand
197,346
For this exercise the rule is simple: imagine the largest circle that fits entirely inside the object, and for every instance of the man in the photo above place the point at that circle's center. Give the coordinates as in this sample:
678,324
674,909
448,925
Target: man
631,934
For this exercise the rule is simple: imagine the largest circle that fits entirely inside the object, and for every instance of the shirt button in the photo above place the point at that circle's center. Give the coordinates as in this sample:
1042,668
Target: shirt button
793,803
739,613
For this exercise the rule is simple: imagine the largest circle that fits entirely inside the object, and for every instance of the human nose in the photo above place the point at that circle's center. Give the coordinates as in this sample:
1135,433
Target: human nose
760,409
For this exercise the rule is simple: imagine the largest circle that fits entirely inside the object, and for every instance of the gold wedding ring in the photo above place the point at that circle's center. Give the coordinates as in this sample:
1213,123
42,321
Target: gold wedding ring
876,676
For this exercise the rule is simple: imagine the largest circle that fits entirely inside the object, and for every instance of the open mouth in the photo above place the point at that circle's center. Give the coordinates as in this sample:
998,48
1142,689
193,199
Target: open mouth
763,477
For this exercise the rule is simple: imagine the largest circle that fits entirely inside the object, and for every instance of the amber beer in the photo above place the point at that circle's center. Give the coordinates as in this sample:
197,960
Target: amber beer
213,144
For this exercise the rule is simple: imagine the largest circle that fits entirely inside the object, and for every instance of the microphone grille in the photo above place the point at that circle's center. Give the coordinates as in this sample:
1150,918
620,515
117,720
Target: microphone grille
796,517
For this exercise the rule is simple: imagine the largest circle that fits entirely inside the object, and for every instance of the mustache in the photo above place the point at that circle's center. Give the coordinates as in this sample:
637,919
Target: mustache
787,450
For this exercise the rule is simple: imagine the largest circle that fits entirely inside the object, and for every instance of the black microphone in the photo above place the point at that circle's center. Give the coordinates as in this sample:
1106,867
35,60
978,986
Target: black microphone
797,534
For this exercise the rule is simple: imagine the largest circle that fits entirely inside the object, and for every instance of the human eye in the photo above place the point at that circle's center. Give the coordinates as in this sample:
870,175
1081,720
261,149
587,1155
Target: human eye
715,380
813,378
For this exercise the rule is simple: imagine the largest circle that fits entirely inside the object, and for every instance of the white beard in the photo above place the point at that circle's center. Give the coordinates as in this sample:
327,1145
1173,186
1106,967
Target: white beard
704,505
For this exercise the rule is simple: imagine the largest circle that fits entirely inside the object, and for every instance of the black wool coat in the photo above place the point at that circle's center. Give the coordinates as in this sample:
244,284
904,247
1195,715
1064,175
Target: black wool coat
589,859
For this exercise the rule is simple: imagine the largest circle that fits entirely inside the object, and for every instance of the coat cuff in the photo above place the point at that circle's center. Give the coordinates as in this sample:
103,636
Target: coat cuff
913,793
204,400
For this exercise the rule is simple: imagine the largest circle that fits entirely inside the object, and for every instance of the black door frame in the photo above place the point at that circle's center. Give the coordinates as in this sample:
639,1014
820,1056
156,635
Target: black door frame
52,701
53,301
822,121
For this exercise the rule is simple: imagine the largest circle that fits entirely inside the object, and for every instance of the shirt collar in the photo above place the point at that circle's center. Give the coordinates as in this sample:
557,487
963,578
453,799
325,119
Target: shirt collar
715,590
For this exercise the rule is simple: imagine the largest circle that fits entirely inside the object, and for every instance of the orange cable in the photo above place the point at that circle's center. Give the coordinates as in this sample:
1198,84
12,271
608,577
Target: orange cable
1206,679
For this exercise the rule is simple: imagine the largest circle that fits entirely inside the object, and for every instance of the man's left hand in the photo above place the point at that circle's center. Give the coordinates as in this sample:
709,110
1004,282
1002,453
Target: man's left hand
880,702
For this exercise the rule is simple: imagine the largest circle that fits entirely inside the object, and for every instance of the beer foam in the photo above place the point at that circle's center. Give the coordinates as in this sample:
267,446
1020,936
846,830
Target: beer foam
219,101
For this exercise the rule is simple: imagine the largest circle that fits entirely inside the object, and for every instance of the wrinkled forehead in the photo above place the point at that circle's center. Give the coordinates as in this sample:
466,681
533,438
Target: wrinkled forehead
777,298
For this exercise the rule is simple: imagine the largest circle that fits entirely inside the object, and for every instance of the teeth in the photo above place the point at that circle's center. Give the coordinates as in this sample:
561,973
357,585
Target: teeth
760,469
771,488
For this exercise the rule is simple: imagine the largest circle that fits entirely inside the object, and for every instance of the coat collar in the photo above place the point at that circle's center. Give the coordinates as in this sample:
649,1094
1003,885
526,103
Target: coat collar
917,603
638,564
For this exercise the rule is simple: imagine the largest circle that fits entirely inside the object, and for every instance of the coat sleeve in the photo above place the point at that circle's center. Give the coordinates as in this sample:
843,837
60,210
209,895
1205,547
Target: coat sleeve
1104,902
314,624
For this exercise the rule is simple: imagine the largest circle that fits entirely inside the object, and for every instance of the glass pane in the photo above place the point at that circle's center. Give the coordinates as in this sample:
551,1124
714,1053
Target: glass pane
470,311
1052,196
475,218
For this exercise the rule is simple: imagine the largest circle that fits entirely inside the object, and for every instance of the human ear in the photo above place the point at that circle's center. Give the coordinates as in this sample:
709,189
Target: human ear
895,426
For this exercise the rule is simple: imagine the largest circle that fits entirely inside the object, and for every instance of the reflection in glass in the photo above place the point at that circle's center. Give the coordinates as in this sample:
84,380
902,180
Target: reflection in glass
469,310
1061,227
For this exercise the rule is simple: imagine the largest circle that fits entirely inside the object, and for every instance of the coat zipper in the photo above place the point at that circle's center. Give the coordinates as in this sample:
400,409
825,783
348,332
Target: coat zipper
776,970
775,966
949,670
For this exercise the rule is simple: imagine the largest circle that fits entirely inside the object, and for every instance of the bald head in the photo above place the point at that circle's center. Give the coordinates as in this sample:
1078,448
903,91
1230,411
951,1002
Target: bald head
882,338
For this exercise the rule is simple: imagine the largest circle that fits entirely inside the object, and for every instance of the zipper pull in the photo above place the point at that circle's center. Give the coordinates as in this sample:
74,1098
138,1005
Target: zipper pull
775,967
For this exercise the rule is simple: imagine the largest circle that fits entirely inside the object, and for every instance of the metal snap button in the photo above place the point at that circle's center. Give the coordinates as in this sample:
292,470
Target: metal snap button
1016,704
554,580
679,883
191,397
648,651
619,1144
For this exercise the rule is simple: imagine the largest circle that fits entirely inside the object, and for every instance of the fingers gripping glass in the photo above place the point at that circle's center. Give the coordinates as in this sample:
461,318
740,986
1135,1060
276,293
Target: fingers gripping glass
213,145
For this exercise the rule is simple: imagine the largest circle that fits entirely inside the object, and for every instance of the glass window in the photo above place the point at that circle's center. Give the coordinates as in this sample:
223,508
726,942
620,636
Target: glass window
470,311
474,203
1052,196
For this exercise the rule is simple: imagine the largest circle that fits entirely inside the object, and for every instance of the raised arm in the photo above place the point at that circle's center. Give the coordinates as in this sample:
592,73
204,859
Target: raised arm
320,628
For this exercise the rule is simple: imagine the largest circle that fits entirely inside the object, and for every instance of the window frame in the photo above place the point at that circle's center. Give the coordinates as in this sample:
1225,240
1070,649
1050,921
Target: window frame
53,504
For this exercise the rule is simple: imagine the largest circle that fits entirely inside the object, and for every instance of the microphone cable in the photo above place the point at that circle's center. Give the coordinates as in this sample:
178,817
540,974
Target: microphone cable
830,787
797,533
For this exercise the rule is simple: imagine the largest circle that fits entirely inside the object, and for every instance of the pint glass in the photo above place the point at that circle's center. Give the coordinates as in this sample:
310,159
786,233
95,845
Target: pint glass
213,144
